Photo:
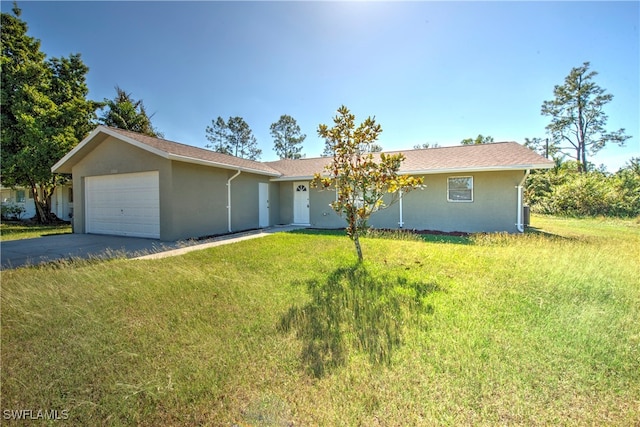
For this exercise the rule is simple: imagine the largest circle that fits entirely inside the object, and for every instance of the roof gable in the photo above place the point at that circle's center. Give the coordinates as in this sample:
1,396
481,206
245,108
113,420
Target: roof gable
164,148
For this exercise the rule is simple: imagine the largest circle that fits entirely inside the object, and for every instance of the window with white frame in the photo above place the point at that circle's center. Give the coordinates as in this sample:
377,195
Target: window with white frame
20,196
460,189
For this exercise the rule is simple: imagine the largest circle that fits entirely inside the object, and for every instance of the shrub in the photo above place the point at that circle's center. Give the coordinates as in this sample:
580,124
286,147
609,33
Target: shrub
563,192
12,211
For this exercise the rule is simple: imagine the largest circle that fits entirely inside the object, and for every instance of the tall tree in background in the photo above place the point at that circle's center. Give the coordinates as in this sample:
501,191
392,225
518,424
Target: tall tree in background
241,140
542,147
126,113
329,148
44,110
233,137
360,181
477,140
218,135
287,137
425,145
577,118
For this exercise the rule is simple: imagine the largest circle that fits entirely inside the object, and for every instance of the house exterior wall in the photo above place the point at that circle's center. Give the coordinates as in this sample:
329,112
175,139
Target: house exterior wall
112,156
274,204
198,201
62,202
286,202
9,197
322,215
244,201
494,206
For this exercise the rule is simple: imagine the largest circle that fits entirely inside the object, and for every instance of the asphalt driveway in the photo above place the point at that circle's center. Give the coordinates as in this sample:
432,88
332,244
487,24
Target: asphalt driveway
17,253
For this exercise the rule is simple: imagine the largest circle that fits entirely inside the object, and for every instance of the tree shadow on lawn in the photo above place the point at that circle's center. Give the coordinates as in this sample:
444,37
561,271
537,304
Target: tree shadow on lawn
455,237
355,310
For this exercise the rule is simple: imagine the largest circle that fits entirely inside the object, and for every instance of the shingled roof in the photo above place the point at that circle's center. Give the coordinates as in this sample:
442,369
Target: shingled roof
461,158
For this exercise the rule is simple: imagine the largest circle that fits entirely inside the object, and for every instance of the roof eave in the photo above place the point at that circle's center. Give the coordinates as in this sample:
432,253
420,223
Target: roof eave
477,169
203,162
283,178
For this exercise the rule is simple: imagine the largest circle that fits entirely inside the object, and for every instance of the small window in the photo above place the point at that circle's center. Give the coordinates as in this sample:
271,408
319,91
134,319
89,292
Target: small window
70,195
460,189
20,196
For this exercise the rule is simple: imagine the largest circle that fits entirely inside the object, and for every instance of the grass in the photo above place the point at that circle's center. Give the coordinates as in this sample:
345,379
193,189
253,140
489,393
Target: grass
15,231
534,329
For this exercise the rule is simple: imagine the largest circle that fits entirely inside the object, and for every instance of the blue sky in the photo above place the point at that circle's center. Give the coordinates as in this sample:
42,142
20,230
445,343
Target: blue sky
434,72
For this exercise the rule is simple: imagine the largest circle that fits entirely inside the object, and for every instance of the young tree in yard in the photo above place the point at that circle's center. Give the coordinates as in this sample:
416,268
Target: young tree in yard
287,138
577,118
241,139
360,181
477,140
44,110
218,134
124,112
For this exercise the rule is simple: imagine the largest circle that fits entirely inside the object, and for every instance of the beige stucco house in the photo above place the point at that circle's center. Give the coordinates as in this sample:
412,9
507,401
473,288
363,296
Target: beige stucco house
130,184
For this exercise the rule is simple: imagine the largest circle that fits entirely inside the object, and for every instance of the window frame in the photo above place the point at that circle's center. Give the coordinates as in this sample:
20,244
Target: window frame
449,199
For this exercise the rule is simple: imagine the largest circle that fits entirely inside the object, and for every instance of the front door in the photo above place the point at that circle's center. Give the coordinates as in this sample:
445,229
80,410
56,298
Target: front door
301,203
263,202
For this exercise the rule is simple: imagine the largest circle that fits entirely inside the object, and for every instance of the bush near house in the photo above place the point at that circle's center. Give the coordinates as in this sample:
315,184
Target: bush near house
563,191
12,212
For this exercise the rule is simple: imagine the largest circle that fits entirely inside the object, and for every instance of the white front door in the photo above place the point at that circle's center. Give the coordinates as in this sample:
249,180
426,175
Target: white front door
301,203
263,205
123,204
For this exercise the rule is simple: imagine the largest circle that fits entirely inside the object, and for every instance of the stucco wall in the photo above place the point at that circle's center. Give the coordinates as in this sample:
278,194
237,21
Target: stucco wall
244,201
494,206
199,197
274,204
322,215
286,202
198,201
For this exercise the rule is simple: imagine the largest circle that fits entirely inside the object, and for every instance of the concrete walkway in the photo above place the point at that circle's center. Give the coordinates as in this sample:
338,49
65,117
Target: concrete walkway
24,252
223,240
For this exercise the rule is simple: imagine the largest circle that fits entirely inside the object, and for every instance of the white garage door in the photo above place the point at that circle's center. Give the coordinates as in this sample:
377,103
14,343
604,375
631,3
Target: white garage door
123,204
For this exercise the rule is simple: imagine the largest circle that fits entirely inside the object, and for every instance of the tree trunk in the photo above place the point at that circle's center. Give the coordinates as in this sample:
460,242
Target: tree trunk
43,218
356,241
582,161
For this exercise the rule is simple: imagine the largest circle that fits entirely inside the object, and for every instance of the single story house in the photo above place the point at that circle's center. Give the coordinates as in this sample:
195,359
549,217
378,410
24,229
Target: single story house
20,197
125,183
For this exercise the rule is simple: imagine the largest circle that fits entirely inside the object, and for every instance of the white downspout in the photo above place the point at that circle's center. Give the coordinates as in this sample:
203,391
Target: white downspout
520,222
401,223
229,199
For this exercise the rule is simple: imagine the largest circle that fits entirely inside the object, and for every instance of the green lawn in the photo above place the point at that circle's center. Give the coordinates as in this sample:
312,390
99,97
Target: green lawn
535,329
14,231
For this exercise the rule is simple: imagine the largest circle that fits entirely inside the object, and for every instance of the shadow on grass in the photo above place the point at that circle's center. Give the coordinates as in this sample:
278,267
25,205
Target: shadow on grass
545,234
355,310
395,234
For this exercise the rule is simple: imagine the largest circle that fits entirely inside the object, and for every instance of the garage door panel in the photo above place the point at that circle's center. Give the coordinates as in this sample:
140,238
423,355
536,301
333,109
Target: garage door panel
123,204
